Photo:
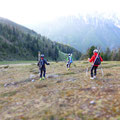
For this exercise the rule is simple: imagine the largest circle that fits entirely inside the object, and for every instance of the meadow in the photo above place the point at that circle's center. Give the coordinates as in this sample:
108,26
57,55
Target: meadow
63,95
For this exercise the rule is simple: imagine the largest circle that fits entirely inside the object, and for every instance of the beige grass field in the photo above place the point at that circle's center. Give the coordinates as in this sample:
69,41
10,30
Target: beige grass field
64,95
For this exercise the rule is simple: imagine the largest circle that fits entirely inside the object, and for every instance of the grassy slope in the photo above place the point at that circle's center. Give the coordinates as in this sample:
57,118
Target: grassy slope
62,56
15,62
64,95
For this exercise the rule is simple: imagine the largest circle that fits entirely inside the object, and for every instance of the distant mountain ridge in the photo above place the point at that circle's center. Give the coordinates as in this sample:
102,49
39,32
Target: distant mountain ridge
82,32
20,43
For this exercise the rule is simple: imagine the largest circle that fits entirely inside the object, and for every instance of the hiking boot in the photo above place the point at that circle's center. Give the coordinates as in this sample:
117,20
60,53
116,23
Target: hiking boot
43,78
91,78
68,69
94,77
40,78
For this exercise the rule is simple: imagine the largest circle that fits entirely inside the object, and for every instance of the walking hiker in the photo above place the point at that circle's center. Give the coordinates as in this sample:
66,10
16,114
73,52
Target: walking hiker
96,59
42,68
69,61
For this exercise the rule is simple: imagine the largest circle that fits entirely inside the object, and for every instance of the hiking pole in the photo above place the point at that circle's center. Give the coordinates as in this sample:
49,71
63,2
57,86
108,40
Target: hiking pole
101,71
101,67
100,64
39,59
38,56
87,70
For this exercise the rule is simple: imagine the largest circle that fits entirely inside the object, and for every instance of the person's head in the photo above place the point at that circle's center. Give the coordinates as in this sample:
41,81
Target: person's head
95,51
69,54
42,56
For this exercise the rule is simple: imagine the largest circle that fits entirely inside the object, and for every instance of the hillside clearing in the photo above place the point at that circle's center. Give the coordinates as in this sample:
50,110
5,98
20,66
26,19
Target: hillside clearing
64,95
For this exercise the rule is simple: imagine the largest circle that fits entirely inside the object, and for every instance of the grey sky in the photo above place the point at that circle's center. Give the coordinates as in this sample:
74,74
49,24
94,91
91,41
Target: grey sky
27,12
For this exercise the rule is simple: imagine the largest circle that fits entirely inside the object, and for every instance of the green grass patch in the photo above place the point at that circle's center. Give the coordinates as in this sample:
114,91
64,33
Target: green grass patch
40,86
8,94
74,65
1,85
108,74
104,63
85,62
62,56
17,62
110,66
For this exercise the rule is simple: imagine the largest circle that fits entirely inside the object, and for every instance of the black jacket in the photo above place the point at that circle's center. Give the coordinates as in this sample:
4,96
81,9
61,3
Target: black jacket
42,63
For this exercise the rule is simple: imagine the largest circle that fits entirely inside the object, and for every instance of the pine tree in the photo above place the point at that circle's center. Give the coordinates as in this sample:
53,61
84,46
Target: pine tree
107,55
114,55
119,54
90,51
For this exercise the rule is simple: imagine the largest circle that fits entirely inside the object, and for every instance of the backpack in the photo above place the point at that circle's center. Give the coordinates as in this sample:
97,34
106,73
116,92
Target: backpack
41,63
70,59
97,61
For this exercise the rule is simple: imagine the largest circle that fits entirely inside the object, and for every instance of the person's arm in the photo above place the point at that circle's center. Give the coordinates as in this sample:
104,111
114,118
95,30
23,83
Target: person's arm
38,63
92,59
67,59
101,59
46,62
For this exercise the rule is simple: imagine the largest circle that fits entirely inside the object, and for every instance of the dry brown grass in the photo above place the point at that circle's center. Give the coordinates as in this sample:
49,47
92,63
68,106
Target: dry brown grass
64,95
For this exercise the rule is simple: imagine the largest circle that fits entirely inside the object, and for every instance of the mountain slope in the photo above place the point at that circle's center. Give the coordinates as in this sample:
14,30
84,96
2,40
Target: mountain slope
5,21
20,43
82,32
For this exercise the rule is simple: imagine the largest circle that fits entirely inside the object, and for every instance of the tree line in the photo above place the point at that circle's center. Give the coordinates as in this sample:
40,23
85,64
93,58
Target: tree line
107,55
18,45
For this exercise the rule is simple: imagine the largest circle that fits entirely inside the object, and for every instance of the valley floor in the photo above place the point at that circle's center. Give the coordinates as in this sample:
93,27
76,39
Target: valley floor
64,95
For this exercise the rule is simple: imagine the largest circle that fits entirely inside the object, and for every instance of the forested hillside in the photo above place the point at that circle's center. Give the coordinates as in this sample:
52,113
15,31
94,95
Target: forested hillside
17,44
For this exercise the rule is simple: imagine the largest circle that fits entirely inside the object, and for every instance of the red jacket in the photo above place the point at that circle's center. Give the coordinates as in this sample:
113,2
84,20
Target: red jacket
94,57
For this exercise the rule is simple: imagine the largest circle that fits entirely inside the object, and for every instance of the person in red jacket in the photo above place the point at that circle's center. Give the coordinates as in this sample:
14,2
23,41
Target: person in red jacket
96,59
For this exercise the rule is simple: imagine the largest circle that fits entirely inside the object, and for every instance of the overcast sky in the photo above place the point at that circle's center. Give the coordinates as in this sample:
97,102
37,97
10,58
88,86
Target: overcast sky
27,12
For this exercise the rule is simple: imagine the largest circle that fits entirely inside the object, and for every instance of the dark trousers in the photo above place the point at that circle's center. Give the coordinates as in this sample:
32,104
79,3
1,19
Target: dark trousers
68,65
95,70
42,72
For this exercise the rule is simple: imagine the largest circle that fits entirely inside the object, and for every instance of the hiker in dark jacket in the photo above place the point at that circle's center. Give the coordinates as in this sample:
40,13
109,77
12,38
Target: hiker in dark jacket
96,59
42,68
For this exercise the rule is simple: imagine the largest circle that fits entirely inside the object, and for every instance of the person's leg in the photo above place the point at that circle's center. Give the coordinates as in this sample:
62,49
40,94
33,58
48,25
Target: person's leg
95,70
92,68
44,73
69,65
41,73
